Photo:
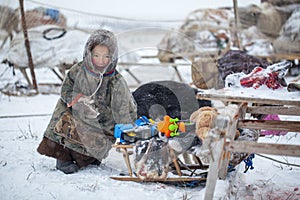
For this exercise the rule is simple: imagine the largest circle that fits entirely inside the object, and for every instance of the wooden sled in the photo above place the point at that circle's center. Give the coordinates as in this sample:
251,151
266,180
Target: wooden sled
180,179
246,105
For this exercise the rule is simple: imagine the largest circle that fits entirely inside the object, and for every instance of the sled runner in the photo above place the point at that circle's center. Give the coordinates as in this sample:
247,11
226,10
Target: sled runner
178,181
182,177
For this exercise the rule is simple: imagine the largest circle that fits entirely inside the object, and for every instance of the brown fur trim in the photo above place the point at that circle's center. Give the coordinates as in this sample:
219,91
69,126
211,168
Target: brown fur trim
52,149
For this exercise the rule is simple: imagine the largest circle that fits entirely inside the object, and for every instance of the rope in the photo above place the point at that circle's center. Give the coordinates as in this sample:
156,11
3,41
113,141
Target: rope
98,87
45,32
294,165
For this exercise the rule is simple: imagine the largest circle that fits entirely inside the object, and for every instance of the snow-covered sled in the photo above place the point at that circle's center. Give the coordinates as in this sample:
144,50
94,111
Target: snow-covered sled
248,102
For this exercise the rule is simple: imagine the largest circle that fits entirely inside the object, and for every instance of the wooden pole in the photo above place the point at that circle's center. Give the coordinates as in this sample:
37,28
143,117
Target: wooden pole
27,45
213,172
264,148
236,20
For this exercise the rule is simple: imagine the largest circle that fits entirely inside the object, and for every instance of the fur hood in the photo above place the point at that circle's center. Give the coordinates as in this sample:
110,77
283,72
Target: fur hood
101,37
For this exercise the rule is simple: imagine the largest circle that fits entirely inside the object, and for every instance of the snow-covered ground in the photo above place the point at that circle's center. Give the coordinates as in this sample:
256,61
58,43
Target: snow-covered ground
25,174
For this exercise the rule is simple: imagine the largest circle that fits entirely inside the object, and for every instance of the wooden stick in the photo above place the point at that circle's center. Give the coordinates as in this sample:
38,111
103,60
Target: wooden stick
127,161
227,98
27,44
122,146
174,158
237,21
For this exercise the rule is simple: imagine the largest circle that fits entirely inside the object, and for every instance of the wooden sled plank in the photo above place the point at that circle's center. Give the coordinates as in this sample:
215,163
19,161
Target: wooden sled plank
136,179
231,98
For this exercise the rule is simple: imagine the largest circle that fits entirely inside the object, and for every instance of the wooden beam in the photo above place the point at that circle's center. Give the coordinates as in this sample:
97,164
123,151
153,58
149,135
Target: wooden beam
136,179
212,54
236,23
289,56
153,64
27,45
228,98
192,167
234,112
264,148
175,161
280,110
122,146
292,126
214,165
127,161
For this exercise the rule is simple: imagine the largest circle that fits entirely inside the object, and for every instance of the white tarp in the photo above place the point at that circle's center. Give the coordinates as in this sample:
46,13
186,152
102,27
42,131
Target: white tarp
48,53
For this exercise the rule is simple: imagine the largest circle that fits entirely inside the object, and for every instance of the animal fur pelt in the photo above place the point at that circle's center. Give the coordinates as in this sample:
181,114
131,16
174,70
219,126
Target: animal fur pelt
204,118
152,159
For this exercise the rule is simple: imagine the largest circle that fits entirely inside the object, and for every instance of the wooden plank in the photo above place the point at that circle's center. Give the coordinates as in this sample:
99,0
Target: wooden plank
292,126
223,97
127,65
152,64
234,112
213,55
122,146
290,56
127,161
263,148
192,167
280,110
179,179
213,172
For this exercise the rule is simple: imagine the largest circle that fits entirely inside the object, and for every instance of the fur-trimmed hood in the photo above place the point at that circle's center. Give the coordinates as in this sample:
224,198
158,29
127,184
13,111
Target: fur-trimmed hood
101,37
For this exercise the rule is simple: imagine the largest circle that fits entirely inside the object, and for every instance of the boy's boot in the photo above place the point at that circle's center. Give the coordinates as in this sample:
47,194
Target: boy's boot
68,167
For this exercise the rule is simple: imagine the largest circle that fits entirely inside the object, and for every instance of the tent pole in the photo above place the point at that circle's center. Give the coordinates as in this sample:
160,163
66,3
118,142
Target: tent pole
236,20
27,45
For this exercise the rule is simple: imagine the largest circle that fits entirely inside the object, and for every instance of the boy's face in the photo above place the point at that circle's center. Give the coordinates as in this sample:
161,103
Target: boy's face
100,57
